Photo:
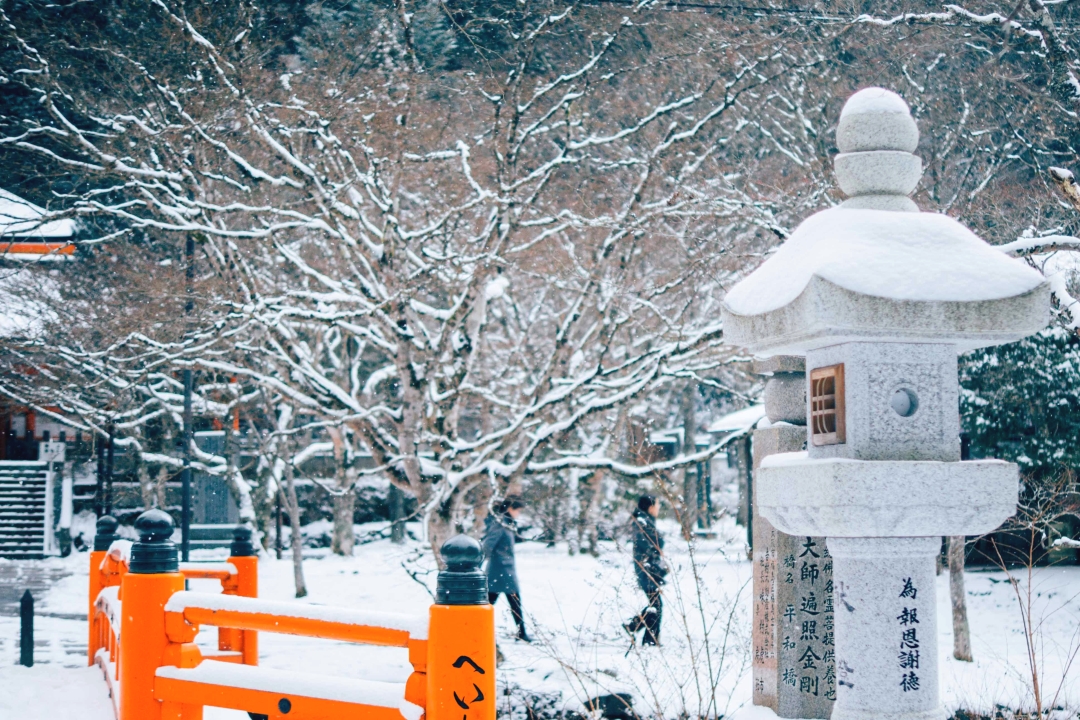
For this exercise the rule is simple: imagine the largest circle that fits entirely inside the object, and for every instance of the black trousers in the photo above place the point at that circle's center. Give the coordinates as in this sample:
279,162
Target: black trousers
649,618
515,608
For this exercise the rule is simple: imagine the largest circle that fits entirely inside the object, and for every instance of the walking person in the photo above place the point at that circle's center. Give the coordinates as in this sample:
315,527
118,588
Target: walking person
650,569
500,535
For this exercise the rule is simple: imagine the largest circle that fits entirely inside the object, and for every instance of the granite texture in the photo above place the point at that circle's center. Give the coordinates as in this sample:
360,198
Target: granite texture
878,172
876,119
825,314
893,203
886,628
779,364
873,372
869,498
785,398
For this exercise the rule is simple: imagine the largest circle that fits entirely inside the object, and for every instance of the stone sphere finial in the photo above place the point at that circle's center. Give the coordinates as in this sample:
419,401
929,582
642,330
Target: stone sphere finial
876,119
876,137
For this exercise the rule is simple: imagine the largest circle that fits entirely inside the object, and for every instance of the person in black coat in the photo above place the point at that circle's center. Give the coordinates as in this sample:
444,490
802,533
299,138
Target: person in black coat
500,535
650,569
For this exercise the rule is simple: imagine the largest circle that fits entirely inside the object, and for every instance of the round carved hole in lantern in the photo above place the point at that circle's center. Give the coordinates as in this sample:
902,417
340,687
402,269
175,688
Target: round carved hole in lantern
904,402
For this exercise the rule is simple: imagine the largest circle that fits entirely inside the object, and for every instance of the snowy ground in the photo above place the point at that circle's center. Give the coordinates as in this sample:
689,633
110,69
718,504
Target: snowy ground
575,605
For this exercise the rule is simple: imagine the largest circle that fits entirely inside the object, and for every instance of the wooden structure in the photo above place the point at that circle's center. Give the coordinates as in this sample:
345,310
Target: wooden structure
143,627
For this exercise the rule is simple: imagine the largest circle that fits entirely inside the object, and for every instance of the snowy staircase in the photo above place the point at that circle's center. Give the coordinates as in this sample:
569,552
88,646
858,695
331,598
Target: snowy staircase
24,504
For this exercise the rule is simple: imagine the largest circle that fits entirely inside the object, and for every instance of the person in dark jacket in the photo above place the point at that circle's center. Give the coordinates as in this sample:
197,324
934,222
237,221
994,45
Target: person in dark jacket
500,535
650,569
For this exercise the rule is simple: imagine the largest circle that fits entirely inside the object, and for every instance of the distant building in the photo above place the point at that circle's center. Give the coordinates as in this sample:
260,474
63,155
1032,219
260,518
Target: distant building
22,429
23,235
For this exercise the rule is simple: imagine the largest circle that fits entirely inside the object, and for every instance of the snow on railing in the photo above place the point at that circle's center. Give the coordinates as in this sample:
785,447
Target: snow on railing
120,551
108,604
164,674
292,684
238,577
257,613
105,639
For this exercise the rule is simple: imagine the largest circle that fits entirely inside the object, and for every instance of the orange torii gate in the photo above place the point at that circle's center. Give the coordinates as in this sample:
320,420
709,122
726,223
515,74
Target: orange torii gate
143,626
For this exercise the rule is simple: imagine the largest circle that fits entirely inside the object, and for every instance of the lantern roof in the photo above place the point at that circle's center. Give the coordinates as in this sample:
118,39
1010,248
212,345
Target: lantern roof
874,268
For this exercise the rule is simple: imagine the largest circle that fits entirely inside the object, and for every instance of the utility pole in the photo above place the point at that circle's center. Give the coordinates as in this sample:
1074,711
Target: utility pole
185,476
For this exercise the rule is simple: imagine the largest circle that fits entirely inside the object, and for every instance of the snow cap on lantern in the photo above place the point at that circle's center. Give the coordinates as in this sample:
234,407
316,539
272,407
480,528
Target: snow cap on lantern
874,268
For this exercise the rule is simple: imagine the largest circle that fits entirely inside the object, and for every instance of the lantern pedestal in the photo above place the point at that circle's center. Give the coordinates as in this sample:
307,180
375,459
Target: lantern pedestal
837,497
886,628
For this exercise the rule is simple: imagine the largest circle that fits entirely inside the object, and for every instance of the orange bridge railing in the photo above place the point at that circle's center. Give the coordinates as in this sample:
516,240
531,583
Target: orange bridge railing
143,625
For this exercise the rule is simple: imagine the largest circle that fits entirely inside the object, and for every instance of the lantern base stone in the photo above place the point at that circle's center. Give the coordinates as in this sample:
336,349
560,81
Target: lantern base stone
837,497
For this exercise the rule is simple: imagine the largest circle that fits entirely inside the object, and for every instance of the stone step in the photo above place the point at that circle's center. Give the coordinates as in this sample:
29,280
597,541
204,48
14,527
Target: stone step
11,510
21,493
15,545
19,522
25,505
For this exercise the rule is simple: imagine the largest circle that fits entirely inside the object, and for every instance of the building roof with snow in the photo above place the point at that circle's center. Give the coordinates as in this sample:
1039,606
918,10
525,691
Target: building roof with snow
25,233
875,268
738,421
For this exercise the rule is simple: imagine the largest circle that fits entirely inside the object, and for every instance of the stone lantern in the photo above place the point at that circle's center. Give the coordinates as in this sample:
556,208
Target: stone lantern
880,298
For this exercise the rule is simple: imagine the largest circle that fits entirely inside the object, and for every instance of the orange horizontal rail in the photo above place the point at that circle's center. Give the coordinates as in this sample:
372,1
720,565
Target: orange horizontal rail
178,692
229,656
161,673
37,248
308,627
205,573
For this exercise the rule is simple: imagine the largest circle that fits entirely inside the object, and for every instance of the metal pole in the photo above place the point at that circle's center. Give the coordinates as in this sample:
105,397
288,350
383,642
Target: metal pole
109,471
99,493
277,527
26,630
185,477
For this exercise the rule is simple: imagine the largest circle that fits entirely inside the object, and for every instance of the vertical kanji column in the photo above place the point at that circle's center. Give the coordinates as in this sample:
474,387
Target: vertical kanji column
794,665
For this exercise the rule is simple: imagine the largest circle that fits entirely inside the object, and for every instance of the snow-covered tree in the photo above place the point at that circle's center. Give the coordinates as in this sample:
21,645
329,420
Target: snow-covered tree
466,273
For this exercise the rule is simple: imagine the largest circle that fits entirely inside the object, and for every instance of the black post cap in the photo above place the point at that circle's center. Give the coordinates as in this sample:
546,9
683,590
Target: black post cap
106,532
462,582
241,544
155,552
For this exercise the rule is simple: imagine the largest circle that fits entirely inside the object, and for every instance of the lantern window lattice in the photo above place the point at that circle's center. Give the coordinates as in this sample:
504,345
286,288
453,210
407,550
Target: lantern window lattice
827,405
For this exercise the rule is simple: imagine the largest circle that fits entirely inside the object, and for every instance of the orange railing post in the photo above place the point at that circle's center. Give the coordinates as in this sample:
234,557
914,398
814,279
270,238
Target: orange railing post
243,556
103,538
152,578
461,638
163,676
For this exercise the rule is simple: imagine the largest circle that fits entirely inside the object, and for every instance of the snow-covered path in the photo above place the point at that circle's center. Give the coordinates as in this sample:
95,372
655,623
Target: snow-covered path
574,606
